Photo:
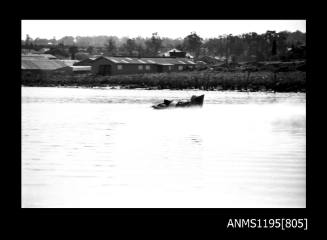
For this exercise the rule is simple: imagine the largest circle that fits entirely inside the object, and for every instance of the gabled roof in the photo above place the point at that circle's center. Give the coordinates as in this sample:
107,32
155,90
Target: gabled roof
42,64
160,61
90,59
31,55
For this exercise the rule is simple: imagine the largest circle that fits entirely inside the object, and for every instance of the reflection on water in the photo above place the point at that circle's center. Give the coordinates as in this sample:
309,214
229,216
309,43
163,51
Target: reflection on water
109,148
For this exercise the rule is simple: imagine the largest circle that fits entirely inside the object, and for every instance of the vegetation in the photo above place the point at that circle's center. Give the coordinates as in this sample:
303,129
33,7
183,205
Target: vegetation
246,47
293,81
193,43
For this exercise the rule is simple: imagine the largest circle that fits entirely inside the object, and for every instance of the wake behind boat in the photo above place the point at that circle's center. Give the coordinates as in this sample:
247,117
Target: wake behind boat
194,101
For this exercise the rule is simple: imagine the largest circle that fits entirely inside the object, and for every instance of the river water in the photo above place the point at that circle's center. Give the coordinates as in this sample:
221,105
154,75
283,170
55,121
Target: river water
101,147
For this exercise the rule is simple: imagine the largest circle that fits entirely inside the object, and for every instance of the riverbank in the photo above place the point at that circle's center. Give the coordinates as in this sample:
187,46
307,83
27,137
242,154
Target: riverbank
292,81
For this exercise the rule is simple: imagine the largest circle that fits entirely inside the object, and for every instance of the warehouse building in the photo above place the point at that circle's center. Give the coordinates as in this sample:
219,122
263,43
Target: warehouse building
131,65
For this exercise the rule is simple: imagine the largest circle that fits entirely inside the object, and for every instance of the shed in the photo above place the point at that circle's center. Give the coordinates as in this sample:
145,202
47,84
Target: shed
38,69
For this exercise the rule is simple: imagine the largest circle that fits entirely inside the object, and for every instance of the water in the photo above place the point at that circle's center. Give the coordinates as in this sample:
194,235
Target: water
109,148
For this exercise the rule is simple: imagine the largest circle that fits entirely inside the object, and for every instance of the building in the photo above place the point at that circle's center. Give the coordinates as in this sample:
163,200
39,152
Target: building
40,69
69,62
131,65
176,53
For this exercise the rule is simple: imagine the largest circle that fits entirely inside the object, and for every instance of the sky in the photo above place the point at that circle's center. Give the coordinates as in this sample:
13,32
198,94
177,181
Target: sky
144,28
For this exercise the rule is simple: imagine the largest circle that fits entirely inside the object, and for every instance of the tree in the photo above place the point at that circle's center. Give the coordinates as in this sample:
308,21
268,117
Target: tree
81,56
84,41
248,46
228,47
130,46
281,43
28,42
58,51
212,46
61,46
67,40
274,48
53,41
73,50
168,43
296,38
153,45
111,47
193,43
90,49
270,48
41,41
180,46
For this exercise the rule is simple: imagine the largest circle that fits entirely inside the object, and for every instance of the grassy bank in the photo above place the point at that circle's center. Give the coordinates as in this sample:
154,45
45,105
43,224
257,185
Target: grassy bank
293,81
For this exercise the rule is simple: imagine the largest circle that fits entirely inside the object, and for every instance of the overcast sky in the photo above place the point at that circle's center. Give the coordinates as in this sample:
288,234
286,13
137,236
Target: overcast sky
144,28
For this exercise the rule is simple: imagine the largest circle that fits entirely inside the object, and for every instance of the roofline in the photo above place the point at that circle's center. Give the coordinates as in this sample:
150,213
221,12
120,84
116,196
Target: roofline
123,56
120,63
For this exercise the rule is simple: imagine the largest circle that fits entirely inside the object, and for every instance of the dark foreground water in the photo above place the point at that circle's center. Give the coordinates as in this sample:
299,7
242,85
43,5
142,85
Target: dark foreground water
109,148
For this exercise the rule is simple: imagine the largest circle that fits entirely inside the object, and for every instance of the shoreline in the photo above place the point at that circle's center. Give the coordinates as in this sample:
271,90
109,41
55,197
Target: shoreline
261,81
151,89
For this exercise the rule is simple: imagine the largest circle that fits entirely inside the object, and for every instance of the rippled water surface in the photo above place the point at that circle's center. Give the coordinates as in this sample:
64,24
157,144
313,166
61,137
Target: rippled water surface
108,148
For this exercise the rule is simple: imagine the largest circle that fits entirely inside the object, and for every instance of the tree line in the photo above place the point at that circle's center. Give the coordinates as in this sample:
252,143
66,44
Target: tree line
271,45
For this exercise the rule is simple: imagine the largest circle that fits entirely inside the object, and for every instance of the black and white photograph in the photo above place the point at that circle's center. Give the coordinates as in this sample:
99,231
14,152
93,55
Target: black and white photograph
163,113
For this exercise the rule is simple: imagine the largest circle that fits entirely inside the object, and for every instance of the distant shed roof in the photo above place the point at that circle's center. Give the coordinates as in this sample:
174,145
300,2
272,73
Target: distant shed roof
42,64
70,62
85,61
81,68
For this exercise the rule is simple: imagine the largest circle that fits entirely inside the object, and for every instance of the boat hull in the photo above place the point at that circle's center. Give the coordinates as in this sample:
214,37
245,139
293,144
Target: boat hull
195,101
